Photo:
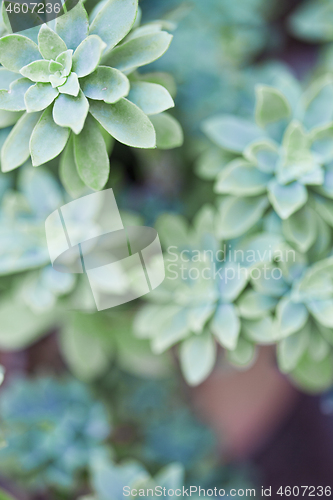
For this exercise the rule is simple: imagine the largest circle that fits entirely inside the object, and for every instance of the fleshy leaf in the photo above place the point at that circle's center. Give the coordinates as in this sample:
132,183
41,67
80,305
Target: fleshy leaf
15,150
13,100
50,44
55,66
231,132
47,139
66,60
56,80
226,326
140,51
318,103
240,178
233,280
264,154
8,118
263,331
286,199
87,55
6,78
255,305
197,358
243,355
291,316
125,122
150,97
291,349
312,376
39,96
324,207
322,310
17,51
271,105
37,71
73,26
105,84
91,156
71,86
300,228
114,21
70,111
169,133
237,215
68,172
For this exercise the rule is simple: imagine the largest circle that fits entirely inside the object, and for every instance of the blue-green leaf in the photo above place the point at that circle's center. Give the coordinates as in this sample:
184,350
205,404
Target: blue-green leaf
70,111
15,150
226,326
71,86
125,122
50,44
240,178
271,105
73,26
87,55
105,84
39,96
47,139
291,316
17,51
114,21
140,51
150,97
197,358
66,60
91,156
68,171
169,133
13,99
37,71
287,199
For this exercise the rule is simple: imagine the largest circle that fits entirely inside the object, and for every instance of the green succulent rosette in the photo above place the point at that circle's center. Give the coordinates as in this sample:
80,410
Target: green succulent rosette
283,159
79,87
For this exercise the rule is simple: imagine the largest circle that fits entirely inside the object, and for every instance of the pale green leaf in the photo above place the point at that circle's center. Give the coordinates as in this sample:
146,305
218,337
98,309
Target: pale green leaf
197,358
324,207
125,122
241,178
169,133
264,154
301,228
17,51
66,60
114,21
150,97
322,310
57,80
312,376
50,44
70,111
225,325
231,132
73,26
244,354
91,156
71,86
291,349
291,316
271,105
286,199
15,150
105,84
68,172
8,118
87,55
6,78
140,51
39,96
255,305
13,99
262,331
47,139
37,71
237,215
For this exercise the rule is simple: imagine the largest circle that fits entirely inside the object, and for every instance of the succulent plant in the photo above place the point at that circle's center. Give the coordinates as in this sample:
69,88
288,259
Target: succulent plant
72,90
312,21
283,160
51,430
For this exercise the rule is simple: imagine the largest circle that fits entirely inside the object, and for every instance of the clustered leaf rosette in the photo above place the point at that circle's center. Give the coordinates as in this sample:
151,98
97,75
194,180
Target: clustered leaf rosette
78,85
282,160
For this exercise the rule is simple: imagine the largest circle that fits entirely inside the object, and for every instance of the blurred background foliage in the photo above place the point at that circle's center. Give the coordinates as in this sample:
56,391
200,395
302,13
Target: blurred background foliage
95,401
